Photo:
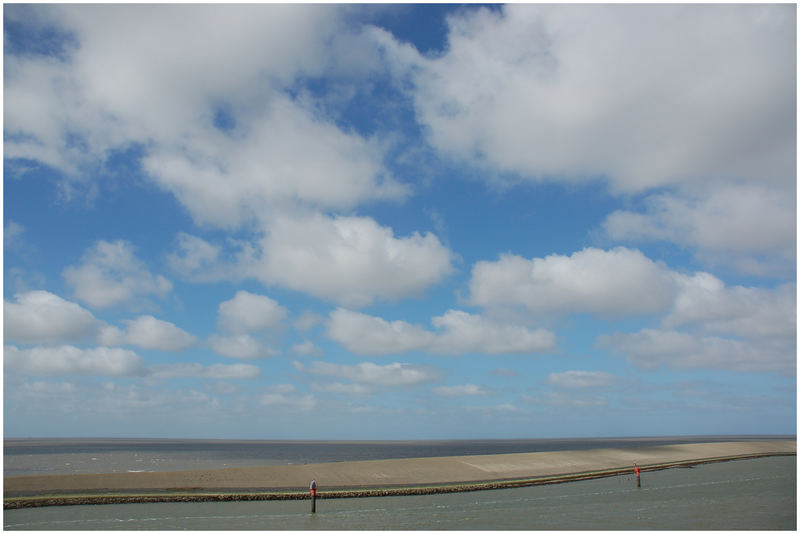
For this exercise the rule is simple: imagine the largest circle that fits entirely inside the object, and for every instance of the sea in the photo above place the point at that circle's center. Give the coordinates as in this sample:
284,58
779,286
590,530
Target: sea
756,494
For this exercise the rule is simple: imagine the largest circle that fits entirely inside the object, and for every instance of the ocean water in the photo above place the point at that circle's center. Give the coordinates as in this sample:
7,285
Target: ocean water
73,456
759,494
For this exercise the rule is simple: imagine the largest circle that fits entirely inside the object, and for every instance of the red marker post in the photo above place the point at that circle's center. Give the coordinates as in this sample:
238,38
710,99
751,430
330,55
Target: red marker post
638,480
313,489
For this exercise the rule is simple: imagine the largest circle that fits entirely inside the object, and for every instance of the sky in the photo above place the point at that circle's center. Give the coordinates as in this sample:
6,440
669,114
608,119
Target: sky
399,221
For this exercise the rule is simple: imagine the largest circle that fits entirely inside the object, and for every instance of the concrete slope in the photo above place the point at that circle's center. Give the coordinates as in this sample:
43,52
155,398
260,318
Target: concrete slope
381,473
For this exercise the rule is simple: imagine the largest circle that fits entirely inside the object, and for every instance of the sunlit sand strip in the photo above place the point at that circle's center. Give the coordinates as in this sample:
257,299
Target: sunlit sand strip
372,478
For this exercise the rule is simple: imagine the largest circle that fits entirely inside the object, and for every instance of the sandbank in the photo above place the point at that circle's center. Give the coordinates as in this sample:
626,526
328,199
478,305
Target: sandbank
400,476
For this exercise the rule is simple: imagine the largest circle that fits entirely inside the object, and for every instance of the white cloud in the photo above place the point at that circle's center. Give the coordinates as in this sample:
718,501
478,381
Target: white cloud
462,332
307,320
728,224
343,389
582,379
651,349
366,334
391,375
110,274
241,346
69,360
282,388
510,91
106,403
306,348
349,260
705,304
710,325
463,390
158,92
496,409
199,261
248,312
504,372
297,402
42,317
555,398
148,332
228,181
158,95
610,283
11,233
47,389
216,371
457,332
196,259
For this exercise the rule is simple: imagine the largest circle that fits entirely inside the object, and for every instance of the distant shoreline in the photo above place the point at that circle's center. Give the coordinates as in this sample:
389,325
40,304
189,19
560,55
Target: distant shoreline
72,456
710,438
375,477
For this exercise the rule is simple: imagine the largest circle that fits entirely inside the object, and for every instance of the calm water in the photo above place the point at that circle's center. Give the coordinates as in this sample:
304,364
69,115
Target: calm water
66,456
745,494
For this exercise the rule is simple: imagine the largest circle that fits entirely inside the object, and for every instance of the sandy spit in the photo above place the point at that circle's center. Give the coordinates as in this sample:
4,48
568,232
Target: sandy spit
459,471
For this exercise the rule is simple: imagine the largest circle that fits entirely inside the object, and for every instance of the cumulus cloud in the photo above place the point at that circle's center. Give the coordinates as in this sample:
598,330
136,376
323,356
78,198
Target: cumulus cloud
556,398
462,332
611,283
709,325
109,274
582,379
704,303
306,348
730,224
40,317
654,348
366,334
197,260
342,389
243,317
227,181
368,373
349,260
216,371
509,91
464,390
148,332
307,320
284,395
508,94
457,332
241,346
504,372
161,88
248,312
11,233
70,360
165,102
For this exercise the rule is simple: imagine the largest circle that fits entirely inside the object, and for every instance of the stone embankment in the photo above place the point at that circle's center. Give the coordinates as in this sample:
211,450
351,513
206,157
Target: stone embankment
199,495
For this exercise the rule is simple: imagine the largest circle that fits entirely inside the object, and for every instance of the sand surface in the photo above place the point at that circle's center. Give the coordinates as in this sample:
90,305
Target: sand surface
384,473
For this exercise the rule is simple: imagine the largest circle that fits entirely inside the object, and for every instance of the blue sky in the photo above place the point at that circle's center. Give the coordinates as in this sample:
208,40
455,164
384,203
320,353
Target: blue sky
399,221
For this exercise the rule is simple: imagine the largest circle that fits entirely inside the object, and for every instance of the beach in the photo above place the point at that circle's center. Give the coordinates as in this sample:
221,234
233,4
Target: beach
451,473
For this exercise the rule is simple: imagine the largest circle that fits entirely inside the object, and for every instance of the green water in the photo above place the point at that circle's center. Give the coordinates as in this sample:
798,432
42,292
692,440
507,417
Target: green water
756,494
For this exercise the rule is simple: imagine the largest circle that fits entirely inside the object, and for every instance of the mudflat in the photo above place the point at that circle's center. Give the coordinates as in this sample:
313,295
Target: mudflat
400,472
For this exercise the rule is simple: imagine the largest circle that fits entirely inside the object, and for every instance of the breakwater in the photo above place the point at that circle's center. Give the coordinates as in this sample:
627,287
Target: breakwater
195,495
